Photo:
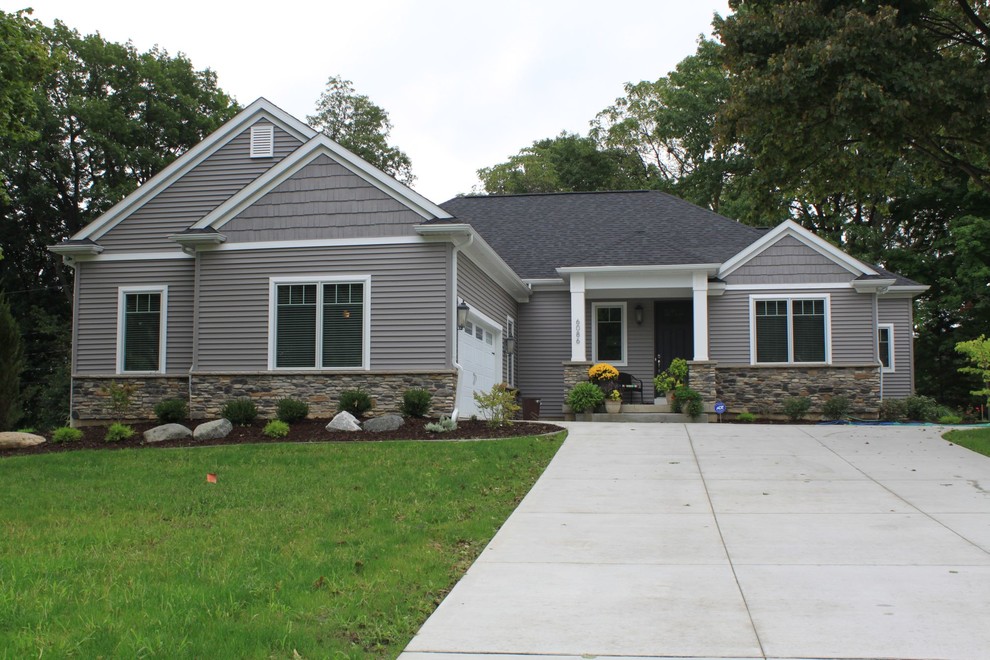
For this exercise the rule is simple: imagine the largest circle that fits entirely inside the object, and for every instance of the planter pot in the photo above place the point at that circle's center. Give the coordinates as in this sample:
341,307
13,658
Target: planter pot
670,398
612,407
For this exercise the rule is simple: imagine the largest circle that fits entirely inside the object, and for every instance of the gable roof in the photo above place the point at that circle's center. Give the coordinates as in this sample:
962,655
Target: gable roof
262,108
538,233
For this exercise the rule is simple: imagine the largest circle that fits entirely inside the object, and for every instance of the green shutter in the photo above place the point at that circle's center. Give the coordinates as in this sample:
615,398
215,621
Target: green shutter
343,325
771,331
295,335
142,331
809,330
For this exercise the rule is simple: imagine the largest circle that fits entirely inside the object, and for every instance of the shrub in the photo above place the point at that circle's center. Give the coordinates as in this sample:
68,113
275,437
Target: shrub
892,410
291,410
445,424
240,411
276,429
921,408
12,365
746,417
416,402
602,371
67,434
499,404
796,407
836,408
356,402
950,419
687,401
663,383
679,370
171,411
584,397
118,432
119,396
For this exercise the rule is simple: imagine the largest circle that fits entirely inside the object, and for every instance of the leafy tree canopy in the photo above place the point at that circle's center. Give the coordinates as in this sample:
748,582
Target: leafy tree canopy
355,122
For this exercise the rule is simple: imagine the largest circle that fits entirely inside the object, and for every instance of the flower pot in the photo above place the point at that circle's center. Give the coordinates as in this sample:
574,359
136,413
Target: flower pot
612,407
670,398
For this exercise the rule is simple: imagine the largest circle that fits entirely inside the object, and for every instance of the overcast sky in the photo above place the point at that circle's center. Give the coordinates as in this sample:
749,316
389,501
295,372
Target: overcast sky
466,84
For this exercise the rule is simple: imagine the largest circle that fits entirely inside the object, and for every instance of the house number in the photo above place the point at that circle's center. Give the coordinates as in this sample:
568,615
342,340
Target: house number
577,331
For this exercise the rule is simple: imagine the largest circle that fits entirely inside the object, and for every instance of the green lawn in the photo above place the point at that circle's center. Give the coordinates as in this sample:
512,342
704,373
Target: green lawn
325,550
976,439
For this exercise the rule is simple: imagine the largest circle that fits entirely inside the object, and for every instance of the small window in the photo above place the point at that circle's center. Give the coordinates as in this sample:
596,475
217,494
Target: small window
479,332
790,330
610,333
885,345
488,338
468,328
262,141
141,330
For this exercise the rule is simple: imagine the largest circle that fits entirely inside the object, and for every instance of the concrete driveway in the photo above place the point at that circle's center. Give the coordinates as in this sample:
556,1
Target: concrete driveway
732,541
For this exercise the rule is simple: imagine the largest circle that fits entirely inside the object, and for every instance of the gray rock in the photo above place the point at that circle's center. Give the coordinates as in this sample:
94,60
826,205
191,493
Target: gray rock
13,440
167,432
214,430
344,421
383,423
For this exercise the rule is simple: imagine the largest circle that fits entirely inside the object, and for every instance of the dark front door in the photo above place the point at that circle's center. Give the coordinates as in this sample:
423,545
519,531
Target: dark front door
673,329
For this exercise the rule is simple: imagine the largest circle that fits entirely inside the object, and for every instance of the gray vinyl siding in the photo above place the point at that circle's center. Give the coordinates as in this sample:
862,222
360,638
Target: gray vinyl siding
409,311
852,330
481,293
543,329
900,312
789,261
639,340
194,195
96,311
322,200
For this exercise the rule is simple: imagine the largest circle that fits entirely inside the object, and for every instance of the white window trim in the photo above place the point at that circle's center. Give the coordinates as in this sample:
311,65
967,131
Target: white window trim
594,332
511,364
753,299
319,280
122,293
890,335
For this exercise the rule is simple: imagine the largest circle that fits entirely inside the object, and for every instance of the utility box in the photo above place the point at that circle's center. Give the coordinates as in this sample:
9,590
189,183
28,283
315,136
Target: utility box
530,409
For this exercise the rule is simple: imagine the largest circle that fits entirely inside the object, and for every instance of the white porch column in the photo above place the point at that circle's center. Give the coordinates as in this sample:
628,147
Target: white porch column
700,291
578,331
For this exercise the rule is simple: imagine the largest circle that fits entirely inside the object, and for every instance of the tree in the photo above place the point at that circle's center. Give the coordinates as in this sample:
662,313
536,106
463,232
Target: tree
23,65
977,351
355,122
11,366
566,163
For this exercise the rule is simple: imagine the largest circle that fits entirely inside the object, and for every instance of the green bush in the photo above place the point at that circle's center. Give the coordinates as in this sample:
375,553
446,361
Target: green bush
950,419
67,434
921,408
837,407
276,429
687,401
892,410
356,402
445,424
240,411
796,407
171,411
746,417
291,410
498,405
584,397
118,432
416,403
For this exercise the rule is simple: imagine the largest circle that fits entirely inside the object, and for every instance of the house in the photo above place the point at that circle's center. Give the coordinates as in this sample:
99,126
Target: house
269,261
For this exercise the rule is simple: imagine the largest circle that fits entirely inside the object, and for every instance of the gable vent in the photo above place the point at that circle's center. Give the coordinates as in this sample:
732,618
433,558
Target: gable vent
262,141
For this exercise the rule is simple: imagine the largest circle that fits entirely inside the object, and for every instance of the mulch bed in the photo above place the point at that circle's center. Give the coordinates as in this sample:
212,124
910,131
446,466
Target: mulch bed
309,430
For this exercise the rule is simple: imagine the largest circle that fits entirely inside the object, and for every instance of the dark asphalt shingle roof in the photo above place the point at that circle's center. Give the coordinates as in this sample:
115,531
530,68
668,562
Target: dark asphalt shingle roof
538,233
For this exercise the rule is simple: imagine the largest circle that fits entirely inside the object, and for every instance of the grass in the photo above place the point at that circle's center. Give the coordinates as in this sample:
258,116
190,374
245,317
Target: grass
323,550
976,439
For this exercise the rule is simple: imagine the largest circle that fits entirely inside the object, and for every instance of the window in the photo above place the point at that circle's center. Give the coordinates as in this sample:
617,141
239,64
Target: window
610,333
141,323
885,345
320,324
262,141
789,330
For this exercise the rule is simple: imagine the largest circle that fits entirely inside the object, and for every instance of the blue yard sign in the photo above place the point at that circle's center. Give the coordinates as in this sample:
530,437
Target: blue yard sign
719,408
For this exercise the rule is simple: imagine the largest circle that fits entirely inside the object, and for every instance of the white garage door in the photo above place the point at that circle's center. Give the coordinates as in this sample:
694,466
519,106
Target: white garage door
479,357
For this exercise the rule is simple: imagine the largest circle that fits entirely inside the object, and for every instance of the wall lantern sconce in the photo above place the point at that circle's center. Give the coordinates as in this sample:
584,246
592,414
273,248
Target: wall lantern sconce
638,310
510,345
462,314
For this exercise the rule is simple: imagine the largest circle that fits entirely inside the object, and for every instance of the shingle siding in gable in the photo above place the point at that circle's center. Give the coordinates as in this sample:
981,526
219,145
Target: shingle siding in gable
483,294
900,312
323,200
789,261
194,195
543,345
96,327
409,316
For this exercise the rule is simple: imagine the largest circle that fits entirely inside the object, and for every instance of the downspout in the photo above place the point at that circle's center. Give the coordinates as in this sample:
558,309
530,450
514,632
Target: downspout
69,261
194,363
453,318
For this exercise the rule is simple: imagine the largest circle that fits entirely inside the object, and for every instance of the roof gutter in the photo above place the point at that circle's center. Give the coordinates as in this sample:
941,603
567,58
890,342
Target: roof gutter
481,253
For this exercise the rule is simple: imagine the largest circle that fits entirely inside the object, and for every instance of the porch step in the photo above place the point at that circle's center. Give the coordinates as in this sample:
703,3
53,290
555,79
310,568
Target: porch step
647,417
645,408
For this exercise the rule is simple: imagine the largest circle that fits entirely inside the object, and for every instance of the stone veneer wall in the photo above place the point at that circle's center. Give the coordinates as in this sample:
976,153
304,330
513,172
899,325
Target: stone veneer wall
574,373
210,391
90,400
762,389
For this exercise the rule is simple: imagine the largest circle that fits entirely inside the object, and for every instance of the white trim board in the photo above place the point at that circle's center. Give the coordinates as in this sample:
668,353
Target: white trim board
122,292
889,327
790,328
595,306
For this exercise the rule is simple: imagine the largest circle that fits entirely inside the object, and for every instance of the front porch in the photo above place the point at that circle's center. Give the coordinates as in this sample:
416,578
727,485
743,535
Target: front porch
639,413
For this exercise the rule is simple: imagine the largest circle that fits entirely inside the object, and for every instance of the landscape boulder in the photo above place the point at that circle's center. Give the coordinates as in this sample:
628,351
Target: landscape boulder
219,428
13,440
344,421
383,423
167,432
